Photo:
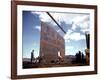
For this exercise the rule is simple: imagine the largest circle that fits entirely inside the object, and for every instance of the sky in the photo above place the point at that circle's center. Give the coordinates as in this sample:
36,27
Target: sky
74,24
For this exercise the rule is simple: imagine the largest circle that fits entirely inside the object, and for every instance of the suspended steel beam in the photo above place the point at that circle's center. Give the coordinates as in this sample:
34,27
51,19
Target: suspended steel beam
55,22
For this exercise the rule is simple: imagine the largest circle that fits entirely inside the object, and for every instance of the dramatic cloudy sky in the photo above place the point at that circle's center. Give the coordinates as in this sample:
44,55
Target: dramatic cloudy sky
75,25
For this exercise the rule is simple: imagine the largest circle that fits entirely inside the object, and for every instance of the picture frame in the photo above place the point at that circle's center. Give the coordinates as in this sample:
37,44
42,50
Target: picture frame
18,9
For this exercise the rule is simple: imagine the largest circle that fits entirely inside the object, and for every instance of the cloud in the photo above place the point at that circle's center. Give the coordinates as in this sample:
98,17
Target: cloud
43,16
76,36
66,36
59,17
38,28
62,17
81,22
85,30
73,36
80,19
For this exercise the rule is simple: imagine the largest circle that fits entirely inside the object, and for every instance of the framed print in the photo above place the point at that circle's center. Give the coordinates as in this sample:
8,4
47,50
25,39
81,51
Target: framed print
53,39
